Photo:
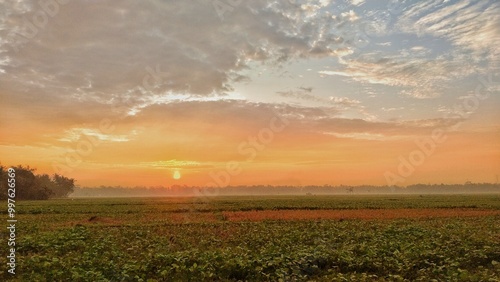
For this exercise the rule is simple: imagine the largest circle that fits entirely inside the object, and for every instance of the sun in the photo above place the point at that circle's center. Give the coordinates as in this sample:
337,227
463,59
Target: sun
176,175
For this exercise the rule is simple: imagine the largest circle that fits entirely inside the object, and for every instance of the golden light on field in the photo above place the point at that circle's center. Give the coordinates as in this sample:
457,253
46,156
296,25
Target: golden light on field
176,175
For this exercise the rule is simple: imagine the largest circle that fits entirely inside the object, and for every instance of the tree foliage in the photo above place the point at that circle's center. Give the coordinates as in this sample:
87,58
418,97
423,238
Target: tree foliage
31,186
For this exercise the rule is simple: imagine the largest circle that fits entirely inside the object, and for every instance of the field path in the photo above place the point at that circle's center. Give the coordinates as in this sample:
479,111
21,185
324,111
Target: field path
355,214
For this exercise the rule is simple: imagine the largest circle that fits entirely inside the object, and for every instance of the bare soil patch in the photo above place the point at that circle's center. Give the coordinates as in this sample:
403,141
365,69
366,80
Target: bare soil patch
354,214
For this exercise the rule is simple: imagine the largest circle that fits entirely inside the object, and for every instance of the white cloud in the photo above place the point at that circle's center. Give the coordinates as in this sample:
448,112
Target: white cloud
364,136
350,15
473,26
304,93
418,77
76,134
420,71
357,2
385,44
344,101
325,3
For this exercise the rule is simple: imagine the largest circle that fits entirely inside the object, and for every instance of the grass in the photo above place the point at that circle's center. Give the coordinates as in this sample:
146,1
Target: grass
183,239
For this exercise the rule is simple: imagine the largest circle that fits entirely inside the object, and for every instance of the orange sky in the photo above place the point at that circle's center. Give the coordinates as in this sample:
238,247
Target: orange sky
202,147
323,95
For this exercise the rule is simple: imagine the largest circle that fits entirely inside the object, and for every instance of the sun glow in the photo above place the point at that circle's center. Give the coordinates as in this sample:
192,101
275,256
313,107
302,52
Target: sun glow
176,175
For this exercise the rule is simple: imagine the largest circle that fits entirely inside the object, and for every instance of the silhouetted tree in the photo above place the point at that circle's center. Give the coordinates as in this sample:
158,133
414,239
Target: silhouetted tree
3,183
35,187
62,186
27,185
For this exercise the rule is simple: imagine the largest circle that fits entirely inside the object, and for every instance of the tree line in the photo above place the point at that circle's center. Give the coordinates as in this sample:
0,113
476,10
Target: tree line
197,191
31,186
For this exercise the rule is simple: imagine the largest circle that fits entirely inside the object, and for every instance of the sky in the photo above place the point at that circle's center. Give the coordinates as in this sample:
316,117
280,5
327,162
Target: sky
233,92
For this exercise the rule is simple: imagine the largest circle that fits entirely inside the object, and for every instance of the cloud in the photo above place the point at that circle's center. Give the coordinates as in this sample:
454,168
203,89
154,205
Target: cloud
392,109
422,70
417,76
153,53
473,26
217,123
376,130
306,89
76,134
301,95
363,136
357,2
344,101
350,16
74,73
231,116
385,44
170,46
304,93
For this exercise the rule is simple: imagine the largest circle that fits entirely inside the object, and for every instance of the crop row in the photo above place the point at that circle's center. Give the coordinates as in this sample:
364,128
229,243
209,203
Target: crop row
401,250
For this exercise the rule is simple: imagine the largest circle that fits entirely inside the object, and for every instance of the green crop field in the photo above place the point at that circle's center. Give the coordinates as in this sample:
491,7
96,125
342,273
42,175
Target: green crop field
403,238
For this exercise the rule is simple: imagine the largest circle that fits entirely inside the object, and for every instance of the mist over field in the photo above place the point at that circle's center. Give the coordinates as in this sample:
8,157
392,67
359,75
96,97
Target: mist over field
202,192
